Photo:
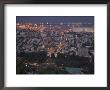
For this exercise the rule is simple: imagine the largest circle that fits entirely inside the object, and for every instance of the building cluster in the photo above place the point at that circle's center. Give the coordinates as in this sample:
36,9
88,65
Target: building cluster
55,38
67,27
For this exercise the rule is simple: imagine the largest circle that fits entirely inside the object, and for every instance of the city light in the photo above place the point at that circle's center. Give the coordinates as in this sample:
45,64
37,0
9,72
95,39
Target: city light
47,47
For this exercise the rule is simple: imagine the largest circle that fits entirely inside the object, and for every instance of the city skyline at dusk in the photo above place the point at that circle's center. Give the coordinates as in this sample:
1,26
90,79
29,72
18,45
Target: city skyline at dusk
55,45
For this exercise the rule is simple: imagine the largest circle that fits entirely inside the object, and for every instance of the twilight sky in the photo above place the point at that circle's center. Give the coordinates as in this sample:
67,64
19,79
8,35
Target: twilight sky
55,19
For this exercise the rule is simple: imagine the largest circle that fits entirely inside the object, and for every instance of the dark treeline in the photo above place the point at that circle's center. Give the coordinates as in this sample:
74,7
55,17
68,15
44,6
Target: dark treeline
65,59
34,56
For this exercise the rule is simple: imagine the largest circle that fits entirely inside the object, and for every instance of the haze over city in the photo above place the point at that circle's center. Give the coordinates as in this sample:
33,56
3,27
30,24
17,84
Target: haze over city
55,19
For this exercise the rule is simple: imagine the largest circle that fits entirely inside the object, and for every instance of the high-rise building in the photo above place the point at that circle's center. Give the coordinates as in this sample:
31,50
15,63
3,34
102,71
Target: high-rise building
83,52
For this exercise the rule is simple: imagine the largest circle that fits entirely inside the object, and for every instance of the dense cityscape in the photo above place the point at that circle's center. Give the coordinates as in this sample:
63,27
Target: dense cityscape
54,48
